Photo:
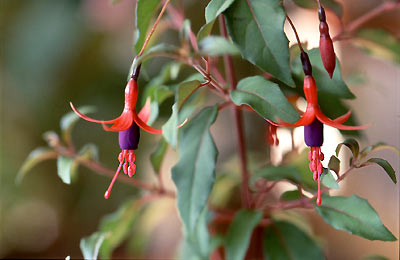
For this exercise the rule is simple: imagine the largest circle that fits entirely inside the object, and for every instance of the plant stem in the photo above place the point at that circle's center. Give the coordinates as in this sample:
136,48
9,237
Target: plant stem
360,21
230,74
153,28
102,170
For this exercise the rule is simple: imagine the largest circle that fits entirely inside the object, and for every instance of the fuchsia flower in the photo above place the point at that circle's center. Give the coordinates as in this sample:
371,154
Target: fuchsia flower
313,121
128,126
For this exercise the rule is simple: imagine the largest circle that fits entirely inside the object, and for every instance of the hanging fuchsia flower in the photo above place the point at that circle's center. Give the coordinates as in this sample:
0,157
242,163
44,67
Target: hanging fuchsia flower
128,125
313,121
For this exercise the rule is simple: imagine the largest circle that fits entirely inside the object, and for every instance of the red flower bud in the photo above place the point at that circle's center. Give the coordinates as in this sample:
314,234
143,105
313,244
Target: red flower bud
325,44
326,48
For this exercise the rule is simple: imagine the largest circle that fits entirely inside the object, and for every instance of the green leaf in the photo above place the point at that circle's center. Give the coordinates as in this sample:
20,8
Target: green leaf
68,121
378,147
334,164
239,233
352,144
375,257
330,4
276,173
185,89
157,91
169,129
215,8
199,238
354,215
386,166
157,50
157,157
334,87
283,240
51,138
89,152
290,195
194,174
217,46
144,12
38,155
90,245
184,33
117,225
205,31
328,180
65,168
379,43
266,98
257,29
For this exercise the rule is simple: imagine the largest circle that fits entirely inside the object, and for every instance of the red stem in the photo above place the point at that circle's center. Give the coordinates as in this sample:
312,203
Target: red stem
230,73
360,21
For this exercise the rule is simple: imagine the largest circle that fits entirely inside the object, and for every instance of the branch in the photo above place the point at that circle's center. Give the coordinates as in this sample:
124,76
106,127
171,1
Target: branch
360,21
230,73
102,170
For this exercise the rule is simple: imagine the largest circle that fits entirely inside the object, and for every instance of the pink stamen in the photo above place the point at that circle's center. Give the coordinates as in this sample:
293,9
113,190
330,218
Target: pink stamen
316,156
108,191
319,190
125,167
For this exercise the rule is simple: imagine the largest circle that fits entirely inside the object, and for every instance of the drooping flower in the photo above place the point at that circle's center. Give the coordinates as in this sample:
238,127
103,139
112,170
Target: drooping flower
313,121
128,125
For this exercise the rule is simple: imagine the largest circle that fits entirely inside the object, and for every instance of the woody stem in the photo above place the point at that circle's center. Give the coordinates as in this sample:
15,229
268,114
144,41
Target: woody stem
360,21
238,116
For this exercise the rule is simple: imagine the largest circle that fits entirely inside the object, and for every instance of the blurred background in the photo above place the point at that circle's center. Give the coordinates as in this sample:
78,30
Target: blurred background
53,52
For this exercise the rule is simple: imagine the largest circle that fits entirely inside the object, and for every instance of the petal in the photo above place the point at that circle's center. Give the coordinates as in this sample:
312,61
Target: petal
343,118
144,113
144,126
306,119
122,123
327,121
91,119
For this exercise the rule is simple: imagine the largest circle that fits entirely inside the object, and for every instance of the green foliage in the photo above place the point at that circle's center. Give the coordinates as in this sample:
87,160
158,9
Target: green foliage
68,121
386,166
217,46
185,90
144,13
117,226
194,174
283,240
90,245
276,173
329,4
215,8
157,156
65,168
354,215
375,257
379,43
198,239
334,87
290,195
266,98
328,180
38,155
334,164
352,144
238,238
205,31
257,29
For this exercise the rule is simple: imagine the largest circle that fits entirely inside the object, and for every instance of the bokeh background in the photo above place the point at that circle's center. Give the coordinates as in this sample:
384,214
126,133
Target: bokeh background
53,52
